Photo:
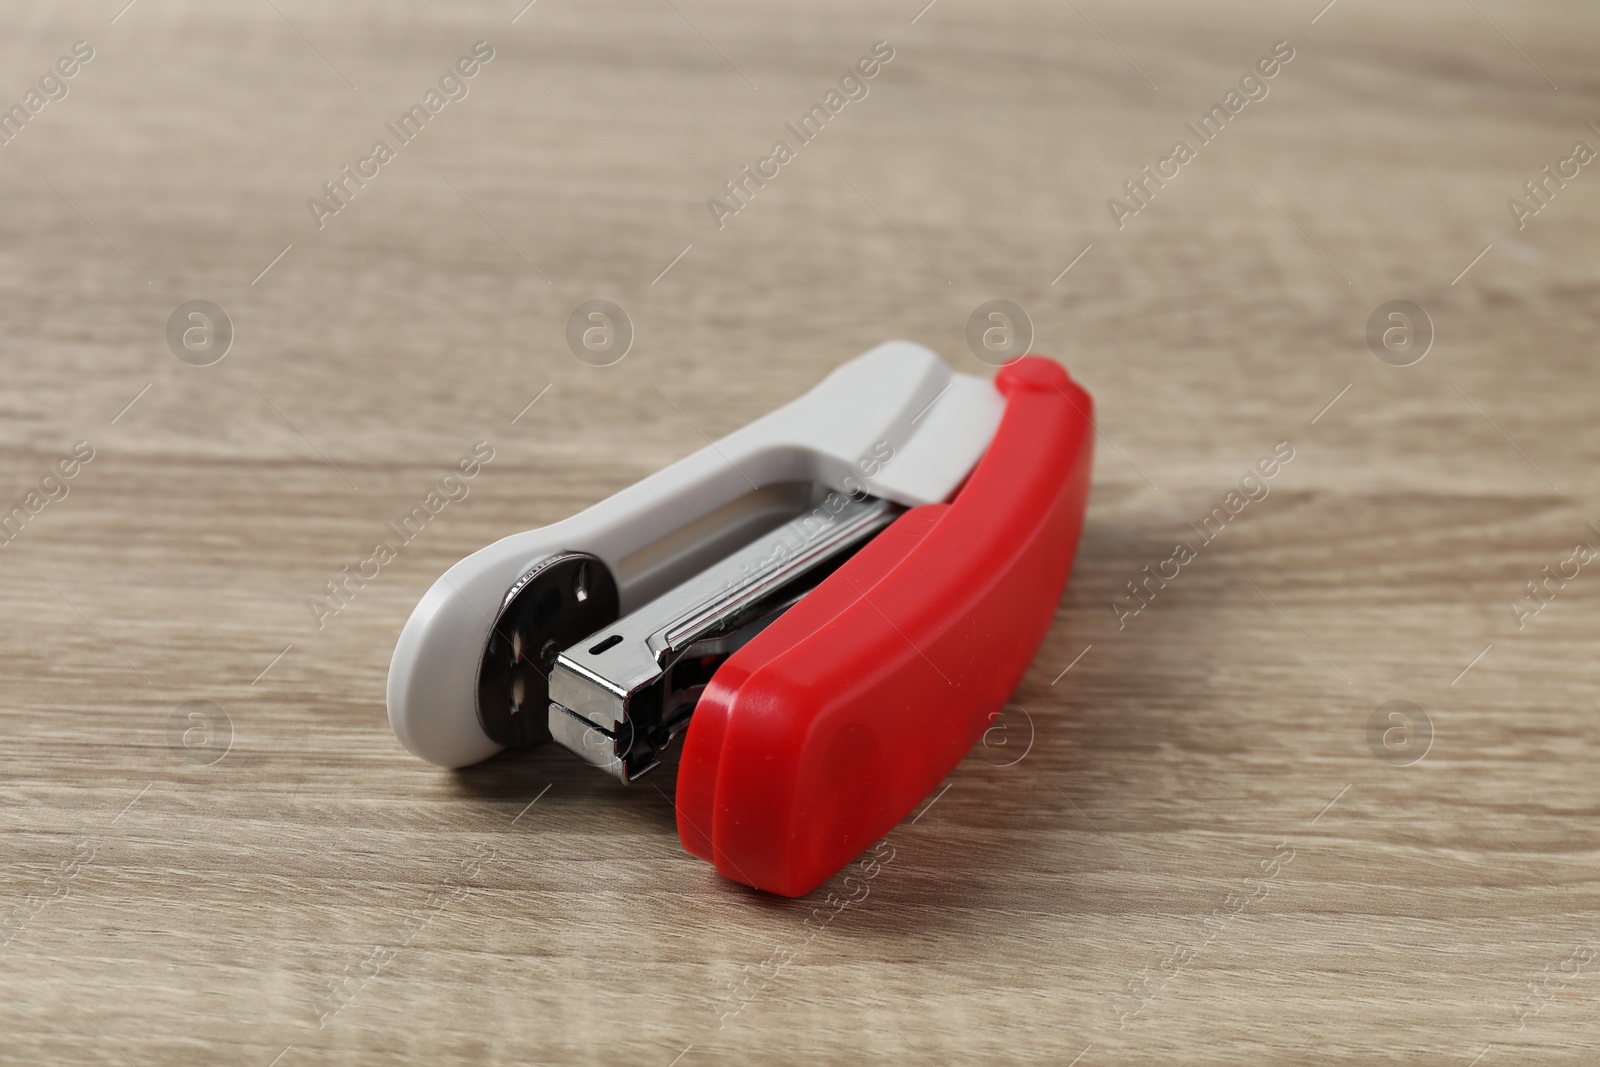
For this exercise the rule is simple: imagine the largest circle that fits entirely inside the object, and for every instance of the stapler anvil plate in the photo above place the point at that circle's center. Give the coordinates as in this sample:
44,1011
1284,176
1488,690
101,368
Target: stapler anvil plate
828,606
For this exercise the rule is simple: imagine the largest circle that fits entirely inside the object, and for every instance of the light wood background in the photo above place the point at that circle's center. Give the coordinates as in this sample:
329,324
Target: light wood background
316,895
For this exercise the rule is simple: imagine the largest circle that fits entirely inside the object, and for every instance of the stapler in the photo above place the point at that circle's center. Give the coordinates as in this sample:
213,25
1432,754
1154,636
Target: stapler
828,607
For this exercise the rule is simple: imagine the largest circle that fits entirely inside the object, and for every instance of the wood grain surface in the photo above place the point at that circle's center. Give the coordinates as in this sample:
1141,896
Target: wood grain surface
1197,835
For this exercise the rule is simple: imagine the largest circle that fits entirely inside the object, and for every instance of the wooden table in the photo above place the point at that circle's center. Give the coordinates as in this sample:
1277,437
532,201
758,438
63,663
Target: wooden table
1199,835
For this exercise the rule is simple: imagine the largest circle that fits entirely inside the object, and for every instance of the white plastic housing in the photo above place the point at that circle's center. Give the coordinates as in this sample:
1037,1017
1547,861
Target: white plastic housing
936,422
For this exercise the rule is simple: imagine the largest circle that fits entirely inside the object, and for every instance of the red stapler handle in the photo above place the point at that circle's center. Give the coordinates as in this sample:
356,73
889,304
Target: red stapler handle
823,732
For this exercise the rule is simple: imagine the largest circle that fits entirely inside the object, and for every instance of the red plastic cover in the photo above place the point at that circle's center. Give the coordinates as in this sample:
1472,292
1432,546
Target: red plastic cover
828,728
